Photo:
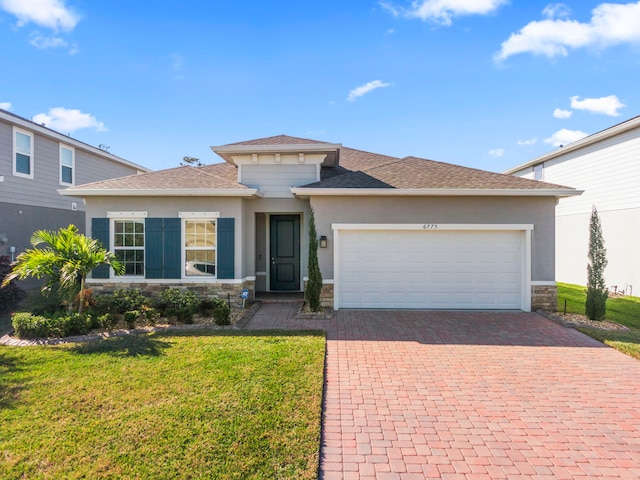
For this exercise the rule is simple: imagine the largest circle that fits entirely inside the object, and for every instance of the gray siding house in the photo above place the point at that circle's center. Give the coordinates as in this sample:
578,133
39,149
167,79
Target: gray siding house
394,232
36,162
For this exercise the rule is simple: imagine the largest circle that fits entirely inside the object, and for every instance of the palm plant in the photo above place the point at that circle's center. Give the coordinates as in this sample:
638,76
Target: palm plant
66,258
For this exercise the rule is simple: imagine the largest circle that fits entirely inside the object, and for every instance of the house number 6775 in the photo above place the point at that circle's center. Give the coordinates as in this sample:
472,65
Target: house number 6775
429,226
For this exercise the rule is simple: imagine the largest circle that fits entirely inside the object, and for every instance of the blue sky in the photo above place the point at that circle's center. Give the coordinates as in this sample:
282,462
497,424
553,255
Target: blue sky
483,83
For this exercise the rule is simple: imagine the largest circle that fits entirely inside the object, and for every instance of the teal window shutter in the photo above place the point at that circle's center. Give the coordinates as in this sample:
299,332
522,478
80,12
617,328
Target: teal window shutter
153,254
162,248
172,248
226,248
100,231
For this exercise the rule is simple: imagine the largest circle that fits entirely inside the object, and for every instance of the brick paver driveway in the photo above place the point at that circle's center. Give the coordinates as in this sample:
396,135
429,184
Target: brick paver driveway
413,395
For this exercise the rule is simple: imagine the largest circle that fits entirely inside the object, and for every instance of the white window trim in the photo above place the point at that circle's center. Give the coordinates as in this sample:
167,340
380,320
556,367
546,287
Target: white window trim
127,215
73,164
189,216
112,239
31,155
199,215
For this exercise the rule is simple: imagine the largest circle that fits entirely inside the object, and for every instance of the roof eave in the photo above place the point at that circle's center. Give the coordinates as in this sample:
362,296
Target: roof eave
578,144
226,151
436,192
158,192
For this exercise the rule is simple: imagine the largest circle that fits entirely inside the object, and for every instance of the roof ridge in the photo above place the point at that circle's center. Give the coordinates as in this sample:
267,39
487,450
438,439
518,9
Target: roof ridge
271,137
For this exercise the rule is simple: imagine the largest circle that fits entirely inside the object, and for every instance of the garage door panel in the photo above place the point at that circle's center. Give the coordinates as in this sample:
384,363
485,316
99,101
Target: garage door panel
416,269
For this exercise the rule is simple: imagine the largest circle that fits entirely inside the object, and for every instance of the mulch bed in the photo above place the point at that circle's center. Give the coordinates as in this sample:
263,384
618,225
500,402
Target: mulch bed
575,320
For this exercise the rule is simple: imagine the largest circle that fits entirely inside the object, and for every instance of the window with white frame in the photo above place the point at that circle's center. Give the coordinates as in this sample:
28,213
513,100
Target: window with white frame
128,245
199,247
22,153
67,165
538,171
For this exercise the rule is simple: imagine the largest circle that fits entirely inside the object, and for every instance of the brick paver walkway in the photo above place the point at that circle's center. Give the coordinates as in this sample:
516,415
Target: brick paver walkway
465,395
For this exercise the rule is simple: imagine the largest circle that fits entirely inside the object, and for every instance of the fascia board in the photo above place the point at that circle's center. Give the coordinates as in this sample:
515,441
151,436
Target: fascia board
192,192
298,147
431,192
584,142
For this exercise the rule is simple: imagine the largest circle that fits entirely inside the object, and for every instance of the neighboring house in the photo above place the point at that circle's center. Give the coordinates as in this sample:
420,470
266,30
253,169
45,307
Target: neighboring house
398,233
606,165
35,162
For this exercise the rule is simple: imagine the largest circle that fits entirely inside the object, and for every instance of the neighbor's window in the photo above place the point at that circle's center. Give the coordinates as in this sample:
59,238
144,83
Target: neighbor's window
538,172
128,245
200,247
23,154
67,163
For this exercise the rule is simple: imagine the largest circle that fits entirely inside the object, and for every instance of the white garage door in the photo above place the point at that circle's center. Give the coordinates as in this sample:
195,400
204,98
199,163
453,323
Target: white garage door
429,269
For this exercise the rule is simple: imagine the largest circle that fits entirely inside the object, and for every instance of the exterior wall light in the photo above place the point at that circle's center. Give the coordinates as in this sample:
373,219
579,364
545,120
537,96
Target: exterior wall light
323,241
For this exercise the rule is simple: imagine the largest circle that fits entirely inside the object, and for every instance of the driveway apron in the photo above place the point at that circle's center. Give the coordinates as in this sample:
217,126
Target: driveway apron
465,395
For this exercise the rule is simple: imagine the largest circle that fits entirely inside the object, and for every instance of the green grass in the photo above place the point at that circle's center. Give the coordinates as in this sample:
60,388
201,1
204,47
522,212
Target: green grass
231,405
622,310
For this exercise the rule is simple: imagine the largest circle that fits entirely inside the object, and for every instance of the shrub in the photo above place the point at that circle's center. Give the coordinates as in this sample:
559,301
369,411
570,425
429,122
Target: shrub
596,304
314,284
11,294
182,304
127,300
28,325
150,314
76,324
221,311
131,317
107,321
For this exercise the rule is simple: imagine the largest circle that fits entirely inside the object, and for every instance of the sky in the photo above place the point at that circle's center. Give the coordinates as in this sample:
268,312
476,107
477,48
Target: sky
487,84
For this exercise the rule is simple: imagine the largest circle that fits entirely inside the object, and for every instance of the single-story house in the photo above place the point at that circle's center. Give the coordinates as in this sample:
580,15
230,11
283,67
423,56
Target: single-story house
606,166
394,232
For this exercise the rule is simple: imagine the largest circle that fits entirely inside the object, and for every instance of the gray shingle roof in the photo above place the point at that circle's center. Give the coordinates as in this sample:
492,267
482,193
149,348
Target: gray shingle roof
277,140
357,169
418,173
215,177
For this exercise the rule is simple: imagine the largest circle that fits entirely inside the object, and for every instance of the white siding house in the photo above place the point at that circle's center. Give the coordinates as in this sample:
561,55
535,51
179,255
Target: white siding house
606,166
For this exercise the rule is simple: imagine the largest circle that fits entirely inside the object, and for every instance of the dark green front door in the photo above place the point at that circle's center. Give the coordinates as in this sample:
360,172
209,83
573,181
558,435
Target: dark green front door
285,252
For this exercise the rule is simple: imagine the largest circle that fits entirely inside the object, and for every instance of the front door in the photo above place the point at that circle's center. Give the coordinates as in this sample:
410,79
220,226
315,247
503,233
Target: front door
285,252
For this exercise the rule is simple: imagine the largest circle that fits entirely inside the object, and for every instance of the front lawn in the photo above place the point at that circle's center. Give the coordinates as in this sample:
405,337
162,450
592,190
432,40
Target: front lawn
219,405
622,310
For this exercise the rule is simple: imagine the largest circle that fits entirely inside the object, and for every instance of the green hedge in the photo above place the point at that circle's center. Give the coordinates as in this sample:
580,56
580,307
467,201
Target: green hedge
27,325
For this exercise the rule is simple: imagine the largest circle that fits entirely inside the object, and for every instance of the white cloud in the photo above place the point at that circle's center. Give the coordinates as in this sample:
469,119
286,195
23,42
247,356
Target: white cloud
559,113
5,105
564,137
556,10
42,42
496,152
604,105
610,24
53,14
366,88
443,11
68,120
531,141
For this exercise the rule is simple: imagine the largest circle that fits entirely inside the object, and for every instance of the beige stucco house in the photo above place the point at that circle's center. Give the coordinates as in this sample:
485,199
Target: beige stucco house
394,232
